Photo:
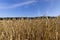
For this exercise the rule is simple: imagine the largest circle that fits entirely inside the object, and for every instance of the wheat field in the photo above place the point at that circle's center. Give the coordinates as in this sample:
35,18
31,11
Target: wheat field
30,29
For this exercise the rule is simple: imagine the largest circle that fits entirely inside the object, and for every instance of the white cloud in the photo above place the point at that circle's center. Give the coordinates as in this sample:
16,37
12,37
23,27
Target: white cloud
21,4
17,5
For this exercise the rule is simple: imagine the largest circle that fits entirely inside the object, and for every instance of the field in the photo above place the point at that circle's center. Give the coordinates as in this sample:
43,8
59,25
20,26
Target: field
30,29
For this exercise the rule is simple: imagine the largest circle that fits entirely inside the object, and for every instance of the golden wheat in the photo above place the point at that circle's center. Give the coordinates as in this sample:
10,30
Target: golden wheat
30,29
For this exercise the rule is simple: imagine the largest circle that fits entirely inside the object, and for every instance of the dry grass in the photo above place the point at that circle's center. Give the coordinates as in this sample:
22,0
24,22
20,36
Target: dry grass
30,29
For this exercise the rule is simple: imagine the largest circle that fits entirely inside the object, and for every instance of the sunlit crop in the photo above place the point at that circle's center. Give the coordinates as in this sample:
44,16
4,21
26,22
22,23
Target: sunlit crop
30,29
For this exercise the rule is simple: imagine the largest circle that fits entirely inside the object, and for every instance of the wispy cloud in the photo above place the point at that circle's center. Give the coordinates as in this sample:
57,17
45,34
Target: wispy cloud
17,5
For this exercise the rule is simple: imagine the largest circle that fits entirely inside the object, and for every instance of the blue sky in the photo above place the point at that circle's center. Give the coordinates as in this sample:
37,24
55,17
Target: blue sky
29,8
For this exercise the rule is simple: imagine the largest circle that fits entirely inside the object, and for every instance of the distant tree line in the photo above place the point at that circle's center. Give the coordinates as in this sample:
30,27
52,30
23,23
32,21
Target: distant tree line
10,18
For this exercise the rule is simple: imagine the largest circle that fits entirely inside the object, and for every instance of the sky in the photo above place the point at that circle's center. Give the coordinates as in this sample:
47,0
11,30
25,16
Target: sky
29,8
